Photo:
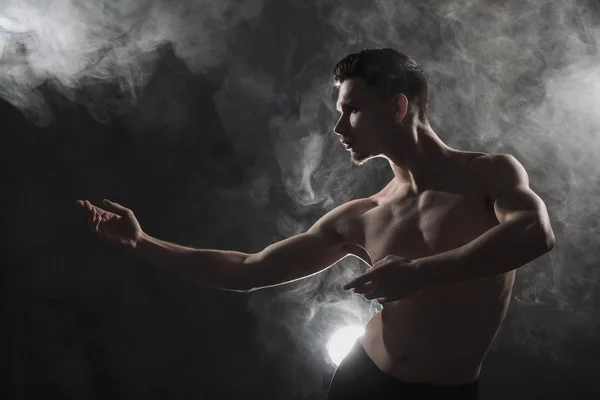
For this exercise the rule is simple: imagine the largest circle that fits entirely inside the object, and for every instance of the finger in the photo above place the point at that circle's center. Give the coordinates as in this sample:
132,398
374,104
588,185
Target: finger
98,220
88,206
361,280
371,295
375,295
377,263
366,288
95,222
116,207
91,208
82,204
91,218
382,300
101,212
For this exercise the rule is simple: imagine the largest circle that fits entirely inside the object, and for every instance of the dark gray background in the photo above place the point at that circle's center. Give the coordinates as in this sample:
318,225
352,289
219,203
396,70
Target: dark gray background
213,122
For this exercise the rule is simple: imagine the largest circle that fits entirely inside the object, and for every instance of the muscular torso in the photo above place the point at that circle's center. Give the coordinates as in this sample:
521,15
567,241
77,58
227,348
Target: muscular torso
442,334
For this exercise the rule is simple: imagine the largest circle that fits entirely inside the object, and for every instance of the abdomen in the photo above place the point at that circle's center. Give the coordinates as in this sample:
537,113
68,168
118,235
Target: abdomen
443,333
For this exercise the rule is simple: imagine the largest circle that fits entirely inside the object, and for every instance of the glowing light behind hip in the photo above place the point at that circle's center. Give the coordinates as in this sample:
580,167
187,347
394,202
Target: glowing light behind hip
341,342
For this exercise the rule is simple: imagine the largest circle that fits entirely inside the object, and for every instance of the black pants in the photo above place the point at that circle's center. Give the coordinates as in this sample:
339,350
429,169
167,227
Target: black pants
357,377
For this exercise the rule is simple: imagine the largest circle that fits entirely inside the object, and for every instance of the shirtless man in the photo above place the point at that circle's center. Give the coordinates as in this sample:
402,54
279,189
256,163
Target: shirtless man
444,238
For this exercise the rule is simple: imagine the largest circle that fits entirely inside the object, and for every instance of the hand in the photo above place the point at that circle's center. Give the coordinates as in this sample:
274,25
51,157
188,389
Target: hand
389,279
118,228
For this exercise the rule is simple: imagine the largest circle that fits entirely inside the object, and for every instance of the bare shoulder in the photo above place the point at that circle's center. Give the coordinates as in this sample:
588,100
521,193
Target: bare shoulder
498,171
493,160
345,222
342,216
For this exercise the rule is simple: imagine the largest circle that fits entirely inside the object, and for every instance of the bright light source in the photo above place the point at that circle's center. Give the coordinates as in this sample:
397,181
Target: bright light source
342,341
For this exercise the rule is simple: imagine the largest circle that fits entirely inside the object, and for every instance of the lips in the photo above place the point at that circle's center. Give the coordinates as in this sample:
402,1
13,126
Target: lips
346,143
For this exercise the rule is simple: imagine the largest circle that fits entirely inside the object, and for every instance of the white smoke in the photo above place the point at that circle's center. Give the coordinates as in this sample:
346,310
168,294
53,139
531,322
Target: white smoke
99,54
511,76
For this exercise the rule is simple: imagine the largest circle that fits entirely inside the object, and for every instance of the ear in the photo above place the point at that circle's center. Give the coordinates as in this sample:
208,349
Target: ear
400,107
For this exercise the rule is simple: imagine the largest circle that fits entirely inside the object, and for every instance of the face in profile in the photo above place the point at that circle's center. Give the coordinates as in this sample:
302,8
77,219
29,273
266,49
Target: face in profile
366,122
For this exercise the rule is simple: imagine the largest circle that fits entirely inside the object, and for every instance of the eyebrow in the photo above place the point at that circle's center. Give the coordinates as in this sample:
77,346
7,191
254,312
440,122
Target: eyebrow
345,103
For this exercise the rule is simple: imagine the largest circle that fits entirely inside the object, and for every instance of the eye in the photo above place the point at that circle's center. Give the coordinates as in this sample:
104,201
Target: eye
349,110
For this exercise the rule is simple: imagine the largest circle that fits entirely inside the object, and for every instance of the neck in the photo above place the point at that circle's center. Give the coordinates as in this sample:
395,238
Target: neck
418,157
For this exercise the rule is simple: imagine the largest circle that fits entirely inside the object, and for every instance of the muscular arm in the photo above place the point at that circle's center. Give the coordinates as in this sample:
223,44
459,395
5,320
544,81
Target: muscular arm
290,259
524,232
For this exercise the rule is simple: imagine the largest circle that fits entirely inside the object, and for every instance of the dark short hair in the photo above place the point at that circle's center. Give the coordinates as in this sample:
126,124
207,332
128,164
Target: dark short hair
389,72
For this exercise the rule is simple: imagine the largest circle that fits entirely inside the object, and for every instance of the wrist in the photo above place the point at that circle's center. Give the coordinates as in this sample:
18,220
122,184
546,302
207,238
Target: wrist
441,267
426,268
141,243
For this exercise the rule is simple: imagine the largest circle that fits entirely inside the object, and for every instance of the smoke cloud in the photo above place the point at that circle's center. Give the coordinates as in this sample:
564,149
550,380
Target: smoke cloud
505,76
100,54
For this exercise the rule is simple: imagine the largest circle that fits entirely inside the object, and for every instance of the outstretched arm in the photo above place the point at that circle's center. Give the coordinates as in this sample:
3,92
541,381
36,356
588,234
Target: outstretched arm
290,259
217,268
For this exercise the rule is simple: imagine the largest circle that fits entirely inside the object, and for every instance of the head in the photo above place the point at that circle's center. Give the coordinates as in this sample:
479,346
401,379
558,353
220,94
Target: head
382,93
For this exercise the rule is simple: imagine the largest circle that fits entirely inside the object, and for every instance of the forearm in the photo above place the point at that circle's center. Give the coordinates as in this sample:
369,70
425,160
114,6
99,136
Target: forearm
216,268
499,250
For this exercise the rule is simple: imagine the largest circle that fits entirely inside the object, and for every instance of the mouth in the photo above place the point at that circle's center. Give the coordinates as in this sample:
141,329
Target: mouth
347,144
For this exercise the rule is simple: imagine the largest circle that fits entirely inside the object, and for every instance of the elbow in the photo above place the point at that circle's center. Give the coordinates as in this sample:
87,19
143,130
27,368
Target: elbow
247,281
546,232
549,236
550,240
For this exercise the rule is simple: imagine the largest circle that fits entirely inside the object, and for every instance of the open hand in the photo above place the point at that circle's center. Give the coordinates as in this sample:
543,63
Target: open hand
116,226
389,279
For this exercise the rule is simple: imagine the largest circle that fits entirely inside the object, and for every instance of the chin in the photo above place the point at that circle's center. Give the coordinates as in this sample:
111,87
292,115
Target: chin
359,159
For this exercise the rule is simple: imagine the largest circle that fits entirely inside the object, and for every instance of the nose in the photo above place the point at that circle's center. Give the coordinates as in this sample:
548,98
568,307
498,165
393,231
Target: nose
340,127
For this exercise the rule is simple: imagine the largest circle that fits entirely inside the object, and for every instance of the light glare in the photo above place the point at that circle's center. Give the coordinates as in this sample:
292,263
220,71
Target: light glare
341,342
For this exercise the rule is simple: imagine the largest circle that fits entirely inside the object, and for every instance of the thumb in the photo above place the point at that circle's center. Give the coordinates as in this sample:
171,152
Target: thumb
115,207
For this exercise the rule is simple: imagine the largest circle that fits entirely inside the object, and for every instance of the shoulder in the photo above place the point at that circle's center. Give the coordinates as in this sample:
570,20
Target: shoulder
497,172
344,218
350,208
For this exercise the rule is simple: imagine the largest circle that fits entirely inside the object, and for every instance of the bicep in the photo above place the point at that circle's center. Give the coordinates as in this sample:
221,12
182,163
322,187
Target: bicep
295,257
508,187
323,245
519,202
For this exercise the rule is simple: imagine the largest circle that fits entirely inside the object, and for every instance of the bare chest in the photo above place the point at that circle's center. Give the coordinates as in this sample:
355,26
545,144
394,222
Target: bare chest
446,215
431,223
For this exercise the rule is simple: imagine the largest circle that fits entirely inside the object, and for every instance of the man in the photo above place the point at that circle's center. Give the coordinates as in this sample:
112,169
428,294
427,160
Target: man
444,238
